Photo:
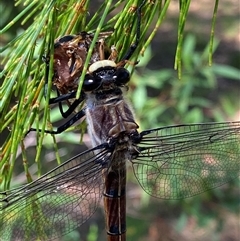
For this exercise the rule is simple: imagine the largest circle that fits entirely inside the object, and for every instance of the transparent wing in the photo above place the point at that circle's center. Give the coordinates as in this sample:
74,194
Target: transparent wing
181,161
56,203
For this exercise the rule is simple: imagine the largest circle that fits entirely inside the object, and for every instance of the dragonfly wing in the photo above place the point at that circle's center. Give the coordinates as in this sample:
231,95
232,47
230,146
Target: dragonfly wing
181,161
57,202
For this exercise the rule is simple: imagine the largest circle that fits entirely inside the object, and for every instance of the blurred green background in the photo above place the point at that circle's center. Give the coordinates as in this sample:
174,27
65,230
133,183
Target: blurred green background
159,98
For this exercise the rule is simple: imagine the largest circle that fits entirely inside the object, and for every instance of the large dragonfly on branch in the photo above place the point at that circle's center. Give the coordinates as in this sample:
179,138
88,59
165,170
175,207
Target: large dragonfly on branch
171,162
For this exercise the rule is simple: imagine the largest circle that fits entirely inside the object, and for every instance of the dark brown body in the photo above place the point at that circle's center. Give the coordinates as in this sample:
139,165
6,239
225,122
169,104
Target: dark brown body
111,119
115,200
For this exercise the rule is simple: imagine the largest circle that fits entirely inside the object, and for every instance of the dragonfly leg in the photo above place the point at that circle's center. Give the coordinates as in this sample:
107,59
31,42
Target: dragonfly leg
63,127
72,106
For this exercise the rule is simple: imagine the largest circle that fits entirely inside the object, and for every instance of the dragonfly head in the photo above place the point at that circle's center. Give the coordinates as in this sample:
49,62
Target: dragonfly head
104,75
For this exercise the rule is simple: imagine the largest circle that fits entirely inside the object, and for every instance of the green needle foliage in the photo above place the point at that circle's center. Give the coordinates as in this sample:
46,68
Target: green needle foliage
24,72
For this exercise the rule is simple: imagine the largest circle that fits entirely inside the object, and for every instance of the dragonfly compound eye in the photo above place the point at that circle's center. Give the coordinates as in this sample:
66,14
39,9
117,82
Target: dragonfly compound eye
90,83
122,76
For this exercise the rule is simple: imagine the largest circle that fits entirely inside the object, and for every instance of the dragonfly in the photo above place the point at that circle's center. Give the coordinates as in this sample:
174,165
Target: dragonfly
172,162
